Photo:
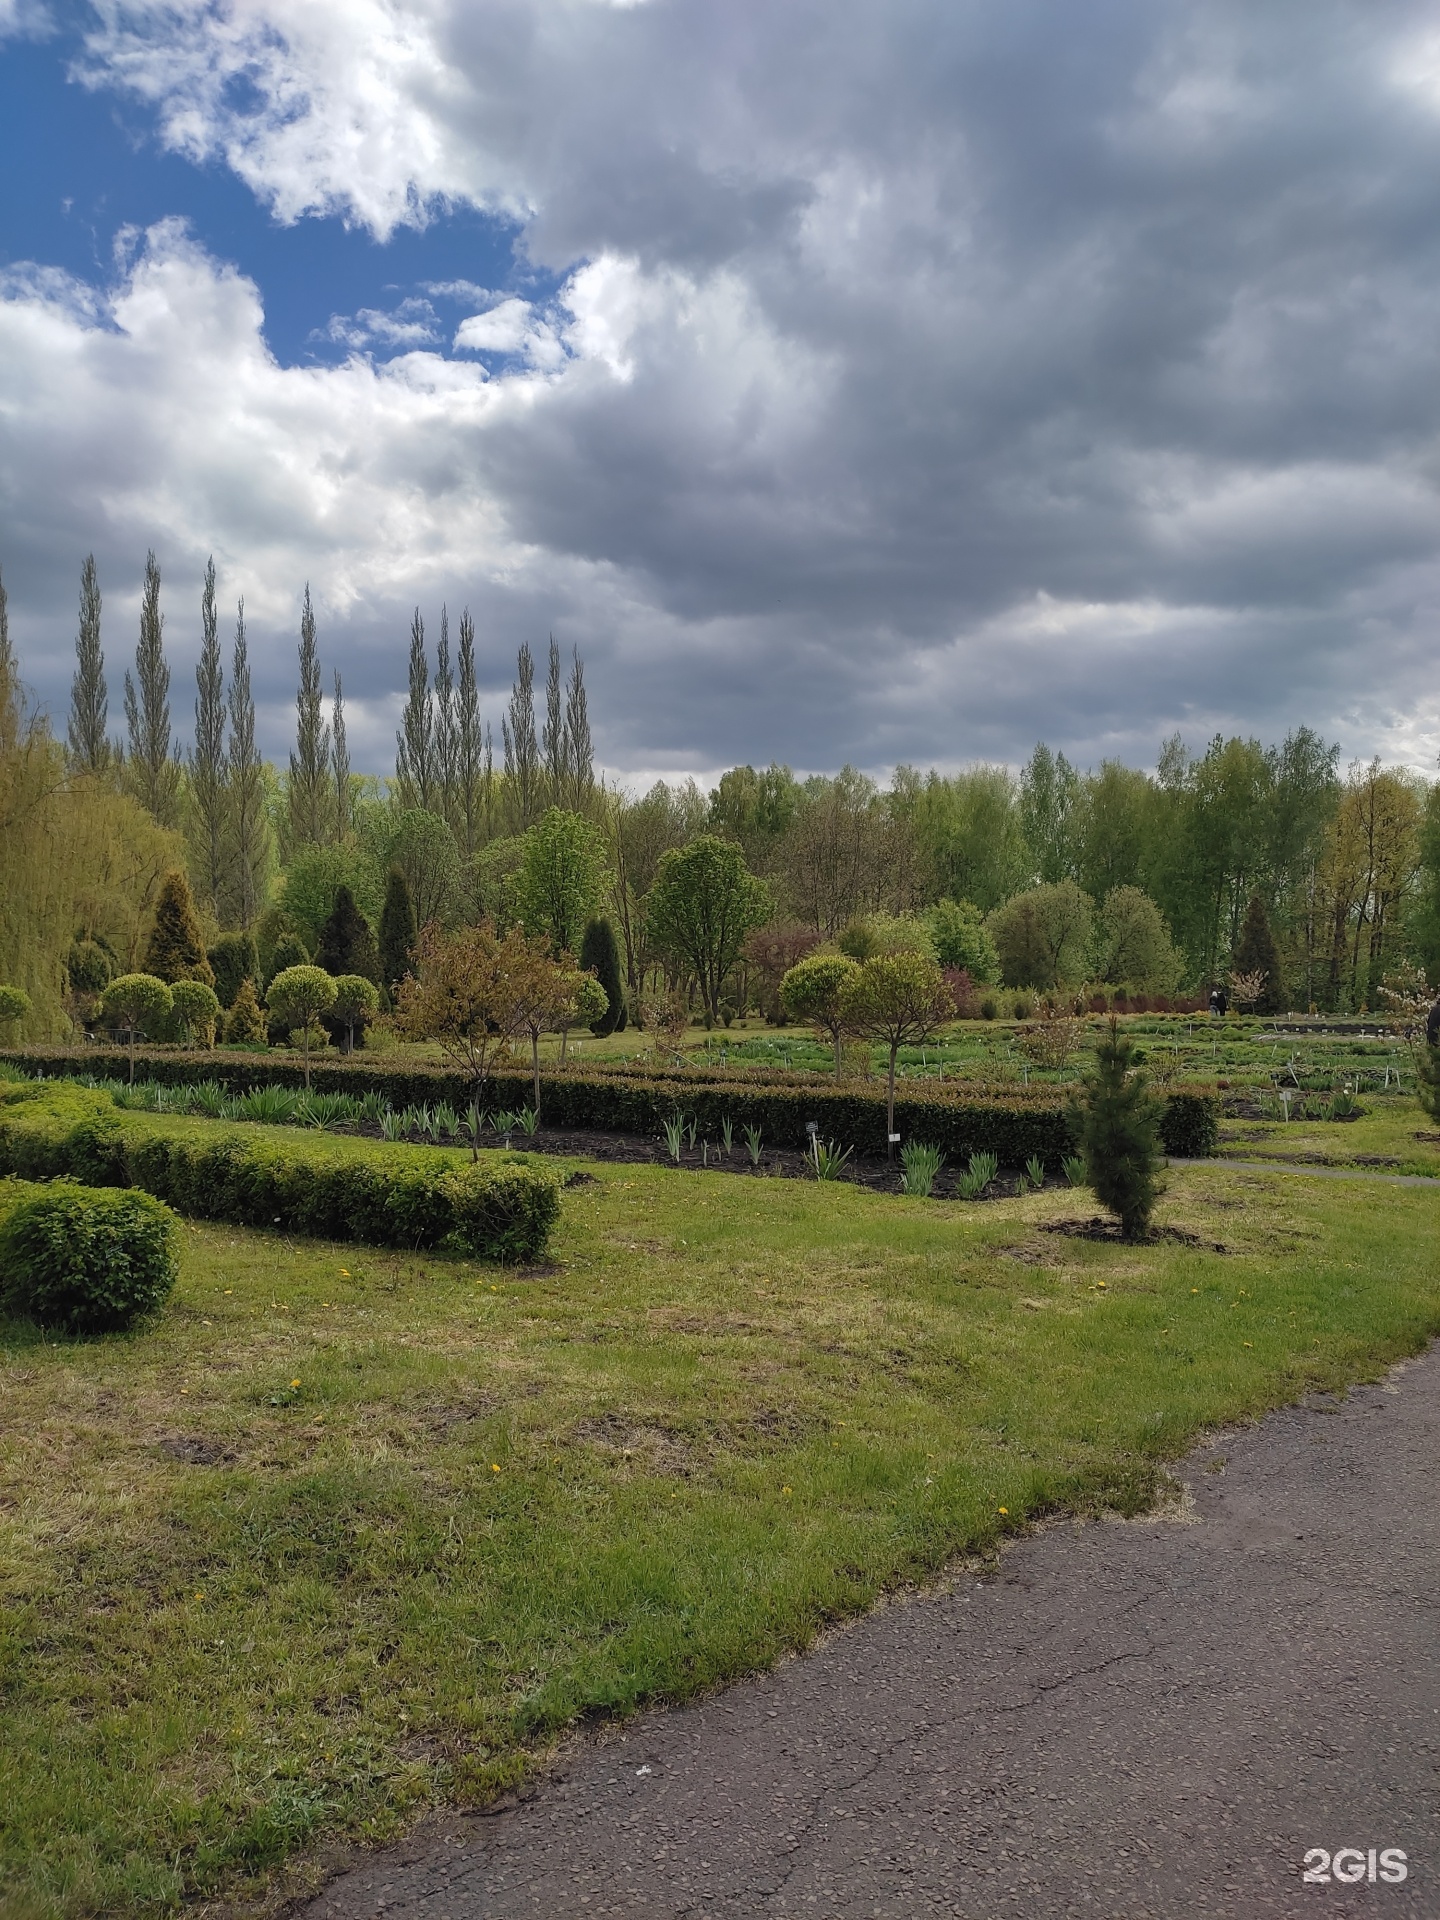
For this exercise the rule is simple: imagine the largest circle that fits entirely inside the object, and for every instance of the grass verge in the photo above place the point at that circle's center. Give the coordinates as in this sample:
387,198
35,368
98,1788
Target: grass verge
349,1531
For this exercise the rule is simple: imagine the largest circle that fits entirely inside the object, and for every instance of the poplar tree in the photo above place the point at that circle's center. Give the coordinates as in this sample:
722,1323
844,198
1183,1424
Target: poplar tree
557,763
522,754
207,757
152,772
89,698
249,830
308,796
415,738
8,730
579,749
447,794
341,757
470,745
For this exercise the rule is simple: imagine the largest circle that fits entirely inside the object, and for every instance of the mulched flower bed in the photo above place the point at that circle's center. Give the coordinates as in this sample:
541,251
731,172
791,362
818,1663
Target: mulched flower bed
775,1164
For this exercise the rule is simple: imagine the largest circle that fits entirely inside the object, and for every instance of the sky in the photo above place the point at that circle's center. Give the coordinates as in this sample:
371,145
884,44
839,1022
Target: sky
848,383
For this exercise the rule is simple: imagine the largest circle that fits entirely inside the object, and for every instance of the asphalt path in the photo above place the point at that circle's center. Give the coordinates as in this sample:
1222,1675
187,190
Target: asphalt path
1123,1720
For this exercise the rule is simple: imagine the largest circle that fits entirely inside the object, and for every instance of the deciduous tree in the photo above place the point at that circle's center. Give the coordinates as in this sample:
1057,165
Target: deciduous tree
152,772
561,878
704,902
814,990
468,993
300,997
899,999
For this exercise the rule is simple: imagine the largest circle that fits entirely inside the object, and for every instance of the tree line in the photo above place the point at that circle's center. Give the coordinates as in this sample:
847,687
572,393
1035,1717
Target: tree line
1053,875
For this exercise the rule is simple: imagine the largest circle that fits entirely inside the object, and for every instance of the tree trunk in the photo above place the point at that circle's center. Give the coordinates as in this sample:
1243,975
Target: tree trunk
305,1050
890,1102
535,1066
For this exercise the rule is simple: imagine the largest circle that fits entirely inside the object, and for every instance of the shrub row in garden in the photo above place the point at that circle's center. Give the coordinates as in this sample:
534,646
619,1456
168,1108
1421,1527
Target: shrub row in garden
500,1209
1015,1125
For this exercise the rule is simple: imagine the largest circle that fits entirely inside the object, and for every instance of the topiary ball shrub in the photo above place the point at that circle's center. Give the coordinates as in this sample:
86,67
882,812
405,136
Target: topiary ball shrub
87,1259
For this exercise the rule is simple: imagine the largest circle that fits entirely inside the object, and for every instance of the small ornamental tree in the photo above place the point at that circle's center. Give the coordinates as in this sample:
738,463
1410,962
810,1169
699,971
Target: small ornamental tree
1256,952
900,999
814,990
347,944
467,993
298,997
703,903
543,991
196,1009
14,1005
176,950
1117,1127
137,1003
397,931
245,1023
357,1001
600,955
583,1003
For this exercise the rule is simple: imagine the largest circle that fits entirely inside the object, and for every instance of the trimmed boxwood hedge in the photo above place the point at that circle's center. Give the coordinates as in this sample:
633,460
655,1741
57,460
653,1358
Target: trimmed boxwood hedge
84,1259
500,1209
1014,1125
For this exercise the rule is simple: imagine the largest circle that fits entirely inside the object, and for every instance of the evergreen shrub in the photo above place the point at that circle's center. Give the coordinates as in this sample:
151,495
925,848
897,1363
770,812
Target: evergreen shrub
86,1260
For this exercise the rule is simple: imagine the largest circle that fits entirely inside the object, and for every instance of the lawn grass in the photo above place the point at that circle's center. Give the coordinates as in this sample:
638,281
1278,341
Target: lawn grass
1392,1135
348,1531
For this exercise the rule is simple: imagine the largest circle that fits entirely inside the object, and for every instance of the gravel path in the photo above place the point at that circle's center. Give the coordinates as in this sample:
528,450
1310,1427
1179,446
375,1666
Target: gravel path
1127,1719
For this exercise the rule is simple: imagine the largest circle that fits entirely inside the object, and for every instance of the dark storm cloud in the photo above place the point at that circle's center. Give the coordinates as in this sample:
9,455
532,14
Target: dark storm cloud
926,379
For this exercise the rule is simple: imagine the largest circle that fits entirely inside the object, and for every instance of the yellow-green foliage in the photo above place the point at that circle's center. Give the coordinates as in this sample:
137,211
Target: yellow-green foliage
348,1532
76,854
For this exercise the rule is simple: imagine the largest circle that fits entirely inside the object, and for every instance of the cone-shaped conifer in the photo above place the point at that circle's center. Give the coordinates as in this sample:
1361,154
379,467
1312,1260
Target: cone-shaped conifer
1117,1127
177,948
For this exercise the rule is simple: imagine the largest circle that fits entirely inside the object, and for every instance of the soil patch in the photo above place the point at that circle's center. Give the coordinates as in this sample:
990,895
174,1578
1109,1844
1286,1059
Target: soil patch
1099,1228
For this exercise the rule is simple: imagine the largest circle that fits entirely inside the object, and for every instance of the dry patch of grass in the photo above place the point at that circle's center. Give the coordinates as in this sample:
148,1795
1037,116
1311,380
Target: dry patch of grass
347,1532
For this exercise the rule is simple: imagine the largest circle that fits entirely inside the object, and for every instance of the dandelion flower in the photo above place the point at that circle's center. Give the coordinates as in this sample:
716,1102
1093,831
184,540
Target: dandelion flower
494,1466
294,1383
1004,1510
344,1273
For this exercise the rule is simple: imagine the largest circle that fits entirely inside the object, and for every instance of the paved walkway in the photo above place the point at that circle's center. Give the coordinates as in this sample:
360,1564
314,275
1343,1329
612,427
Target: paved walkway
1145,1719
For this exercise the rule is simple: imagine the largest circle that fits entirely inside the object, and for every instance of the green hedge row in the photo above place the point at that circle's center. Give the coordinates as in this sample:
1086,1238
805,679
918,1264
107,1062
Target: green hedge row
501,1209
1014,1125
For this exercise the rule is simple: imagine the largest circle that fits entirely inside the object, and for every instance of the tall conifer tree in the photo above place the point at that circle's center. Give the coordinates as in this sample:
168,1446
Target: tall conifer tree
9,727
309,796
249,835
447,754
152,772
89,697
579,749
522,752
415,739
469,743
341,755
557,760
207,756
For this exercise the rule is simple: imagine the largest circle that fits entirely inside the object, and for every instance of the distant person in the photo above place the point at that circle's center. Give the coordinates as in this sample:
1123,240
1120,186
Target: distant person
1432,1023
1214,1003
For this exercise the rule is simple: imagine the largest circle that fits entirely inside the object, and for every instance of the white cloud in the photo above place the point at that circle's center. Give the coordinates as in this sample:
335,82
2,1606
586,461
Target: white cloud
512,327
917,383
